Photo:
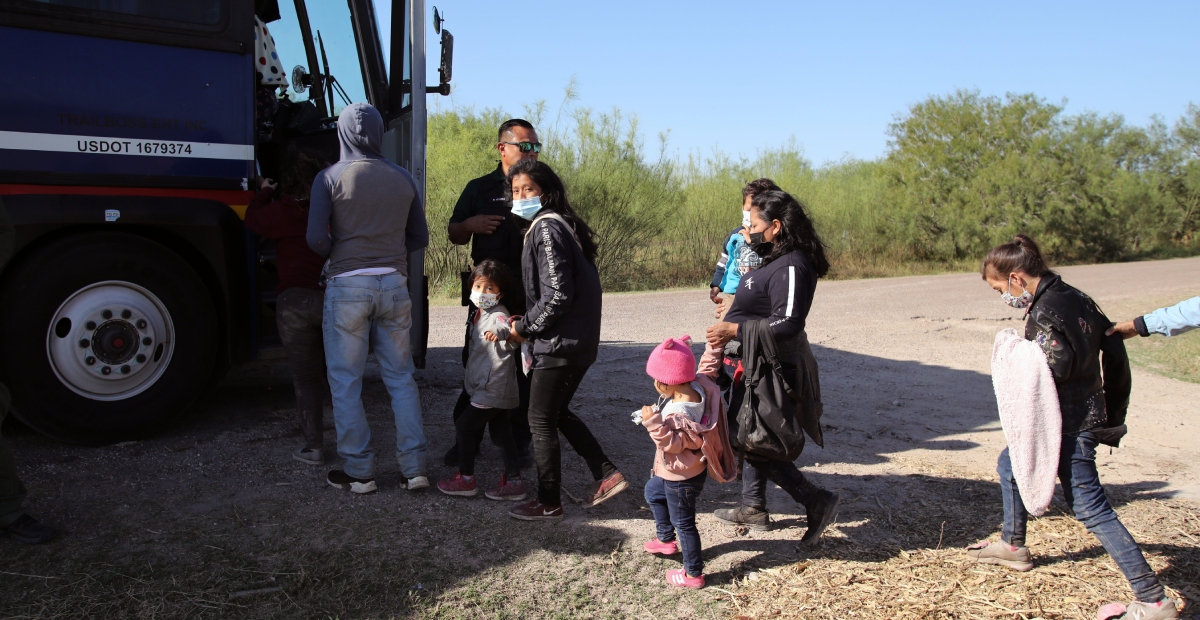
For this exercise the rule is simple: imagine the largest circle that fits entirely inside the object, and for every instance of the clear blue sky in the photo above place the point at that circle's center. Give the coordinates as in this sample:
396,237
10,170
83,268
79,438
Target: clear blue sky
740,76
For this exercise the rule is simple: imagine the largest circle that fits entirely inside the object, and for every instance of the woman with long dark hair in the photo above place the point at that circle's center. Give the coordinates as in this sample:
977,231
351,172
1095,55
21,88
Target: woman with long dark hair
562,329
776,298
1091,377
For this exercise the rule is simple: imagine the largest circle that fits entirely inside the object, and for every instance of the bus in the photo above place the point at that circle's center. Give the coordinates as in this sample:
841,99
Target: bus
129,149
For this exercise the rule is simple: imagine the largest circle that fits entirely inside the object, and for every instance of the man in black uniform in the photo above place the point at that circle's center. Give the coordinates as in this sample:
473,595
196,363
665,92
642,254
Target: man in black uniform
483,217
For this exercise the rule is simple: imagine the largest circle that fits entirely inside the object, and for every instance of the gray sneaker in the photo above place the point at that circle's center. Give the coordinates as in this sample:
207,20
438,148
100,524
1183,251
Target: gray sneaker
1162,610
1016,558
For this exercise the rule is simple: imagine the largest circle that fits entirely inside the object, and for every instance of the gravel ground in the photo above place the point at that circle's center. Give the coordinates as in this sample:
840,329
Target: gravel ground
212,518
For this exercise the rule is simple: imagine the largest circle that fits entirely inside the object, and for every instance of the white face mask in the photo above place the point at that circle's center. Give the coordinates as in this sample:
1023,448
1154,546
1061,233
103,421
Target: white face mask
745,219
484,301
526,208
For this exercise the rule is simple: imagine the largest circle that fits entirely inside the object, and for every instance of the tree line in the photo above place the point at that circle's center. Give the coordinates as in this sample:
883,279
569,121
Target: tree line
962,172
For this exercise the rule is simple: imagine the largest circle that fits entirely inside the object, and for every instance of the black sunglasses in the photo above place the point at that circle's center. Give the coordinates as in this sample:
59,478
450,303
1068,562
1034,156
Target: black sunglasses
525,147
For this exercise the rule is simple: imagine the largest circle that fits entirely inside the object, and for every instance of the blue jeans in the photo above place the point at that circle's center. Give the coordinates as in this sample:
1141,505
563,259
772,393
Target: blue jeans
674,506
1082,490
375,312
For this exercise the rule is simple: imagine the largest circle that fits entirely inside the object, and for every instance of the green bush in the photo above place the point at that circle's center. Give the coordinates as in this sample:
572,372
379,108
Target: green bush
963,172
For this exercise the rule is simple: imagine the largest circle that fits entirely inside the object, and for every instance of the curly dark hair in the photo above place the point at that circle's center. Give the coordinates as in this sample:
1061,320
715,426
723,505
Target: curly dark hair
758,186
499,274
797,233
554,198
1020,254
297,170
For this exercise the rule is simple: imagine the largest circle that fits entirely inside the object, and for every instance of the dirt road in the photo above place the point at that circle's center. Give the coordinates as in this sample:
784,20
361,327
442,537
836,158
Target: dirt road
214,519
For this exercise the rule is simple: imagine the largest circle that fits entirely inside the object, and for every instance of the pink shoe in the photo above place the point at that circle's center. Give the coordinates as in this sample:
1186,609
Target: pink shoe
679,578
507,491
1111,611
458,486
665,548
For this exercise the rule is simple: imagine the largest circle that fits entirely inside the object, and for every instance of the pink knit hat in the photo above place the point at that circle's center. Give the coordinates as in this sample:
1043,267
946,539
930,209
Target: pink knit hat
673,362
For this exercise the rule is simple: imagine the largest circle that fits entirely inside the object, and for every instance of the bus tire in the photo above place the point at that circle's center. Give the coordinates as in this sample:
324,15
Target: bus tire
105,337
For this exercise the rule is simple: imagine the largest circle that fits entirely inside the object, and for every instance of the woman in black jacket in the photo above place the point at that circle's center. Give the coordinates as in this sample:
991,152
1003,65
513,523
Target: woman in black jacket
1091,376
781,291
562,327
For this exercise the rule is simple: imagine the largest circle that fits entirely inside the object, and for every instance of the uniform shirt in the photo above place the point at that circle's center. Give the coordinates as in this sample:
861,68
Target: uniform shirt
781,291
487,196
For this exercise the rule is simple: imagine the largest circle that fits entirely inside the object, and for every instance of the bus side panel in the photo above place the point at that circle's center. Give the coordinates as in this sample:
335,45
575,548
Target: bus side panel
206,233
70,102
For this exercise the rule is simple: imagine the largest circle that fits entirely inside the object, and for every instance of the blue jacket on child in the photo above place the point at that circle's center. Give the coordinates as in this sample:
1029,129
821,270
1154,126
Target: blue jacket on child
728,273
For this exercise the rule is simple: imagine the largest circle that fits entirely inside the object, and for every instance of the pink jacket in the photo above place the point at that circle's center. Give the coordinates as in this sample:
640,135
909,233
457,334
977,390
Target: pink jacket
685,448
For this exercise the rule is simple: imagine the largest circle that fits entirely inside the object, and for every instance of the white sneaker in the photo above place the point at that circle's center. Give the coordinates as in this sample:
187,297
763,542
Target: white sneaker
417,482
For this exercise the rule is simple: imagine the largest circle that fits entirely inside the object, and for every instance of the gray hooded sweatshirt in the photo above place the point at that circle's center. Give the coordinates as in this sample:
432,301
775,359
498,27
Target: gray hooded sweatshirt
365,211
491,373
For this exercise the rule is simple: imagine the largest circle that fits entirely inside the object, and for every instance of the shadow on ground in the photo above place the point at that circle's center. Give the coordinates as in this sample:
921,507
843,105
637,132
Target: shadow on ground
212,518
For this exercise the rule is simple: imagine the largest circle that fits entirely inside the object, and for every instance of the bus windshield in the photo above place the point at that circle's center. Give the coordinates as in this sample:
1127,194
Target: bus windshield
331,29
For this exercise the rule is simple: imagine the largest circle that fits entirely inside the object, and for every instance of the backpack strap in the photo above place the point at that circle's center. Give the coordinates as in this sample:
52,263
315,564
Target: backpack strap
554,216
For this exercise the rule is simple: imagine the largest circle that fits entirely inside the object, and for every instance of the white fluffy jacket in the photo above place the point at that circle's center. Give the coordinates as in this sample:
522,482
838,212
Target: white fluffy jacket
1029,413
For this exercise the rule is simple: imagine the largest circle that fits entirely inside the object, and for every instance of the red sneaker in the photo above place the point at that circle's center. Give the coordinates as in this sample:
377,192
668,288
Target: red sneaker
458,486
665,548
535,511
606,489
507,491
679,578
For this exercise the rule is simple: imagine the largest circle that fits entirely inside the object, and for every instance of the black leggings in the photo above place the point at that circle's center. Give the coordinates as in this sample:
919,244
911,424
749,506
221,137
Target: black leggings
551,390
468,425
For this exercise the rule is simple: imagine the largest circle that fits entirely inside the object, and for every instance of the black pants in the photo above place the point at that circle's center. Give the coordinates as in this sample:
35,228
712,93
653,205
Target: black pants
551,390
517,424
298,314
468,427
756,473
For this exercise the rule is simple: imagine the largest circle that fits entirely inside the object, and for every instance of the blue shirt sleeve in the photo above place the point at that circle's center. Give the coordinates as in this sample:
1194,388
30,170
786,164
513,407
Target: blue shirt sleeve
1182,317
320,209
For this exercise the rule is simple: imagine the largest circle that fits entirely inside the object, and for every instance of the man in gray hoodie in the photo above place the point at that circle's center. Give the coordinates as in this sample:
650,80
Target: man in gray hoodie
365,216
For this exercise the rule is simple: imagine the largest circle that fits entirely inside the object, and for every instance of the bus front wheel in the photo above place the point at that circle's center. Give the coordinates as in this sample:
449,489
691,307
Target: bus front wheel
105,337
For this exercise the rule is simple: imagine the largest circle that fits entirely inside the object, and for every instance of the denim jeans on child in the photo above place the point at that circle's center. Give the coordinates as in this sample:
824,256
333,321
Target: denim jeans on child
374,312
674,506
1082,490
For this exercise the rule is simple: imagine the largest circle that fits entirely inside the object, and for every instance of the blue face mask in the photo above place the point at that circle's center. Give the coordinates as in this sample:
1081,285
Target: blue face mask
526,208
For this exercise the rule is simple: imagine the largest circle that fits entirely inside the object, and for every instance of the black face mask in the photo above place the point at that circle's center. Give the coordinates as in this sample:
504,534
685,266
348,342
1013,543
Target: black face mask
759,245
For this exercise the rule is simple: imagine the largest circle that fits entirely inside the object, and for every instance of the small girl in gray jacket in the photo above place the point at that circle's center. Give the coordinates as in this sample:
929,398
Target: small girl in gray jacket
491,382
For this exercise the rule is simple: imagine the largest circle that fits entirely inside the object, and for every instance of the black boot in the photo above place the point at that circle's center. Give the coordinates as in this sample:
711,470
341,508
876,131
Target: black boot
26,529
753,518
820,515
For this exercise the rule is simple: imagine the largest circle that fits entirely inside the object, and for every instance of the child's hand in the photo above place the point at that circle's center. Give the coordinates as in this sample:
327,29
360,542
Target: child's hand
647,413
720,308
264,183
490,337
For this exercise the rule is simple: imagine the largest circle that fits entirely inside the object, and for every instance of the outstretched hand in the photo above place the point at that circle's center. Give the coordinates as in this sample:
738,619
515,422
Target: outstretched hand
721,333
1125,328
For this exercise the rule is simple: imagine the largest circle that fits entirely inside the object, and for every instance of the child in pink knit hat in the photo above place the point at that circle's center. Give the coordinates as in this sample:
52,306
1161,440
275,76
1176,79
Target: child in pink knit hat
675,425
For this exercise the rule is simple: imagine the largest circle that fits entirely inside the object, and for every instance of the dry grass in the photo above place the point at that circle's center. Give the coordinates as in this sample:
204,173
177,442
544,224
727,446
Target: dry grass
922,572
